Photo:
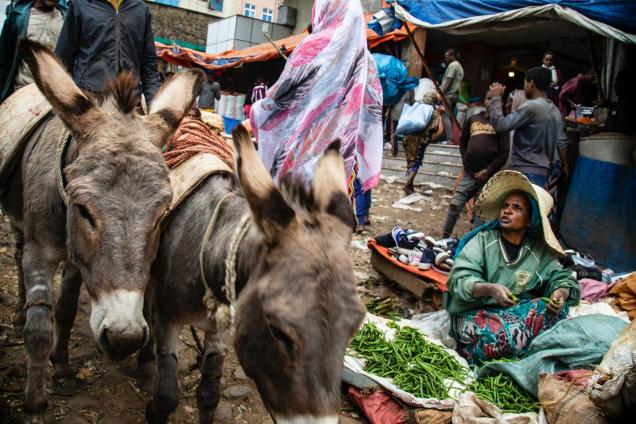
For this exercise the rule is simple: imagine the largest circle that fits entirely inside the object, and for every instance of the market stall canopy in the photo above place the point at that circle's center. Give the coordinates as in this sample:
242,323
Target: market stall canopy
613,19
182,56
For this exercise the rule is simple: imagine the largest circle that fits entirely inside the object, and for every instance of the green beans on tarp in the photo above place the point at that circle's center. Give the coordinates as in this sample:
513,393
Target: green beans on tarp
427,370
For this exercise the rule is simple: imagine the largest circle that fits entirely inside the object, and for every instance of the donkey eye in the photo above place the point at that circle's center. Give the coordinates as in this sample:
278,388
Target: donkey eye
282,337
85,214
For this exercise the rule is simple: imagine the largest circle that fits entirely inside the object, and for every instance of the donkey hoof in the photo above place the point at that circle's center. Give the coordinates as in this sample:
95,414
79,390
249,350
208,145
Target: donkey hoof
153,416
34,418
65,385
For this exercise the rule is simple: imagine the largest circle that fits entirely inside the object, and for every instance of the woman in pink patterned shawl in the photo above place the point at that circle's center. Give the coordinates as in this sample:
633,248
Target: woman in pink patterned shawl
329,89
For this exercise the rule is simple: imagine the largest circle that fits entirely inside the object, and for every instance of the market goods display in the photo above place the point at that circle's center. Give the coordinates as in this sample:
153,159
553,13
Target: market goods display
427,370
502,391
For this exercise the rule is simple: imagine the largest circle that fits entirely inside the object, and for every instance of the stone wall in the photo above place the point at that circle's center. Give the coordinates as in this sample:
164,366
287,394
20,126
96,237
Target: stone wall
185,25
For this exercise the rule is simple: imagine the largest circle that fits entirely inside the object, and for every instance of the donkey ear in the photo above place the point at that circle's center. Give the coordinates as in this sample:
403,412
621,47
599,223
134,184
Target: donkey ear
270,210
69,102
330,185
171,103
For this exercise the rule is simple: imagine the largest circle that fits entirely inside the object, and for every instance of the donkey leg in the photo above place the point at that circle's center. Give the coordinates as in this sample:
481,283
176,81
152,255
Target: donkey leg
64,382
209,390
147,358
166,397
20,313
39,266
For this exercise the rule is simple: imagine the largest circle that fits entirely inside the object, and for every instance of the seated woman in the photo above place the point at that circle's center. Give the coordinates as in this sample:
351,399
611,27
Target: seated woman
507,286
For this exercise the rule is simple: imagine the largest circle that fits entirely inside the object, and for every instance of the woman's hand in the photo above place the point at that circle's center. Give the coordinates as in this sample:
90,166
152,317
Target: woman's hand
501,294
557,300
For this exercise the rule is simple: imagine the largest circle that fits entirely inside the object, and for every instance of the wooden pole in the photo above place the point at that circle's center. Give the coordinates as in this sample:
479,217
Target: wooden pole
590,44
432,77
283,55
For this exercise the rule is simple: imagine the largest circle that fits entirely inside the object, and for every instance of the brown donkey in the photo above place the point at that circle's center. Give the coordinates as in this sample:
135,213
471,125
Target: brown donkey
107,232
285,255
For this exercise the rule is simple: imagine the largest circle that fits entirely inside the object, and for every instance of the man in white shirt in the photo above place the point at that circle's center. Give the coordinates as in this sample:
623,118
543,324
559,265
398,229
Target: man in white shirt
38,20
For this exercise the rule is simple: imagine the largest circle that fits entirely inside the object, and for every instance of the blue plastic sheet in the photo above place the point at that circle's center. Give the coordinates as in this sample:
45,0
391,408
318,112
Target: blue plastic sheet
577,343
599,217
610,12
394,78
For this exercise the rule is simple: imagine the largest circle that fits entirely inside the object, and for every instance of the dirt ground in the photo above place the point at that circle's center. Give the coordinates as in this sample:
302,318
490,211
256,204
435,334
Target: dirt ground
109,395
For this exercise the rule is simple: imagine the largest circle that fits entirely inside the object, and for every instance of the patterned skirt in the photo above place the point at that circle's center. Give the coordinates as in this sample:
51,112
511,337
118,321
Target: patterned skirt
494,332
414,148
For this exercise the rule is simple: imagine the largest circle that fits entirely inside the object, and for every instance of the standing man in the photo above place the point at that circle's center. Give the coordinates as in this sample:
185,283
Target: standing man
484,152
37,20
259,91
555,82
451,84
538,128
102,38
210,91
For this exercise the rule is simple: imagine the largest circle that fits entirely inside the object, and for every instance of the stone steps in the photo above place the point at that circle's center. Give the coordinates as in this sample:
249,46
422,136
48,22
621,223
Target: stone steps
441,165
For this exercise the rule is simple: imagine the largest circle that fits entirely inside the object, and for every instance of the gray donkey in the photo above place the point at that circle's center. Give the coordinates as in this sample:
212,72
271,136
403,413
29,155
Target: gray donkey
284,255
107,232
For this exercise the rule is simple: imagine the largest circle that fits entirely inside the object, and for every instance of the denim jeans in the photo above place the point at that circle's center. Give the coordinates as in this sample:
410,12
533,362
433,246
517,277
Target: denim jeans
468,188
537,179
362,201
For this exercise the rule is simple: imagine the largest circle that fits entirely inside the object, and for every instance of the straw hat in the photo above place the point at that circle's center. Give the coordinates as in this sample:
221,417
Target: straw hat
500,185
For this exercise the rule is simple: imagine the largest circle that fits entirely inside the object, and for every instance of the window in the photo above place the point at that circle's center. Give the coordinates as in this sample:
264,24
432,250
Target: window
250,10
168,2
268,14
216,5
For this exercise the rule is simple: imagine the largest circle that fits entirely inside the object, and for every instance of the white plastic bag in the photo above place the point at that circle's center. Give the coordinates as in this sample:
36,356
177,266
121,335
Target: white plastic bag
414,118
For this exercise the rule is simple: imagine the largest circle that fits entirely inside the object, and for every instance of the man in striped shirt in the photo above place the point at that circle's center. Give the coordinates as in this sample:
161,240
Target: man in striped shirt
259,90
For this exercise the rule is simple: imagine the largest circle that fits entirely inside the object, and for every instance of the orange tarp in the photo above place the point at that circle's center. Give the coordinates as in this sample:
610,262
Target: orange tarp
430,274
260,53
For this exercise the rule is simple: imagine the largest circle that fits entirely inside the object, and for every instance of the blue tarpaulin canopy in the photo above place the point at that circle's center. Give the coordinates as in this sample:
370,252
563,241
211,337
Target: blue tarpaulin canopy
610,18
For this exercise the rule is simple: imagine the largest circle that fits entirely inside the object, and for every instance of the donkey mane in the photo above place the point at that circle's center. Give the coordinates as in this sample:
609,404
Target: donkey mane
122,90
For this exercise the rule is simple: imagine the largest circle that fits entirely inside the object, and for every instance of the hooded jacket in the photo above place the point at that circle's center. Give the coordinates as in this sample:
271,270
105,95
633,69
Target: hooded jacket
15,28
98,42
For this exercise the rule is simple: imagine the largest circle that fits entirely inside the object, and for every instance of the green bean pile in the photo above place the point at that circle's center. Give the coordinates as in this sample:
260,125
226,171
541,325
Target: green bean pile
386,307
504,392
427,370
415,365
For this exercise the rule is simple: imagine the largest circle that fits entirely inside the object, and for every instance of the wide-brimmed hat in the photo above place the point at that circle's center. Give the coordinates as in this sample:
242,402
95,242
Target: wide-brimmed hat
501,185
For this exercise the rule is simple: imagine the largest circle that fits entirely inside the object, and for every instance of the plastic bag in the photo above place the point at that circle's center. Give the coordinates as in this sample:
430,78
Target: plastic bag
614,380
394,78
414,118
424,87
436,324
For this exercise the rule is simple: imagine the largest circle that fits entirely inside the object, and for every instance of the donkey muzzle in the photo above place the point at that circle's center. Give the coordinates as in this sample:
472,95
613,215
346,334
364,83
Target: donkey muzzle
118,323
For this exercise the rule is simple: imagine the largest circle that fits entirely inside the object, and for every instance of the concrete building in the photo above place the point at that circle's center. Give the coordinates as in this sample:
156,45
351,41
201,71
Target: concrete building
304,9
186,21
260,9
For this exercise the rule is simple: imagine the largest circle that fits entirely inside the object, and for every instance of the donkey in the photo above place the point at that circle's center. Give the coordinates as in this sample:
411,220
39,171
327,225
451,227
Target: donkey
297,306
107,230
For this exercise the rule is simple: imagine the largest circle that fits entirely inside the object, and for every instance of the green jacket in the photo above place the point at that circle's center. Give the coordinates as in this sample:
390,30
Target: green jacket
535,273
15,28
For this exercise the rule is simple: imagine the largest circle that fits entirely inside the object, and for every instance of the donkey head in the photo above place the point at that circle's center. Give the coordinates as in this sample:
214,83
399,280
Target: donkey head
300,307
118,189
